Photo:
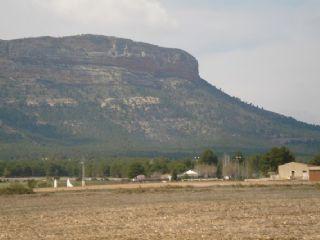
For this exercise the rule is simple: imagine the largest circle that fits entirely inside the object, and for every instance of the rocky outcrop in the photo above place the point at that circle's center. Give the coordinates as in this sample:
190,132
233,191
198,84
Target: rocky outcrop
102,51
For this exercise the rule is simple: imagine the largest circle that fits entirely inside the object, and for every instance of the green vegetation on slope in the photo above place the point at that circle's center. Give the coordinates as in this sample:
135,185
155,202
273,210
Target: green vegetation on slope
101,96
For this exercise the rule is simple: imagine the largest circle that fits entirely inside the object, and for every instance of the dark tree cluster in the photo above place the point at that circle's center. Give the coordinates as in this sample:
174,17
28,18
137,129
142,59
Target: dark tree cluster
276,156
315,160
237,166
118,168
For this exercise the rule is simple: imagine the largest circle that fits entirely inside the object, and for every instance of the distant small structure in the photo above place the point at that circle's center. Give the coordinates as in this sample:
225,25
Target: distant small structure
166,177
294,170
69,184
299,171
314,173
139,178
273,176
191,174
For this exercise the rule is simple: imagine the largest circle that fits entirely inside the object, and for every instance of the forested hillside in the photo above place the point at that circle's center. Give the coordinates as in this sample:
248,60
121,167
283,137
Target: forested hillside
104,95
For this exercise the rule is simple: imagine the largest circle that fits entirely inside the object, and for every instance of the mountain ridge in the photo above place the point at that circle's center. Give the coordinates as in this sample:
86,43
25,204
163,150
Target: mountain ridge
118,49
113,94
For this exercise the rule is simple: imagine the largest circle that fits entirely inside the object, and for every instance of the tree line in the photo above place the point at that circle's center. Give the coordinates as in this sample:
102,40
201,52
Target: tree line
117,168
208,164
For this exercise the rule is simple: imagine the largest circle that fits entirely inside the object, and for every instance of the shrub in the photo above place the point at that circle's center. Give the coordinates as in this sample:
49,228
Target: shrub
174,175
45,183
208,157
32,183
16,188
135,169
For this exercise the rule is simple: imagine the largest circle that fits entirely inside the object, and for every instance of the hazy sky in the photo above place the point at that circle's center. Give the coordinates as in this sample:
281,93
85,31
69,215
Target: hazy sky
263,51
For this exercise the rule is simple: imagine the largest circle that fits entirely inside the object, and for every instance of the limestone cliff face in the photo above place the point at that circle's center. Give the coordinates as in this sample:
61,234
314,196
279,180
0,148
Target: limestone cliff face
111,94
102,51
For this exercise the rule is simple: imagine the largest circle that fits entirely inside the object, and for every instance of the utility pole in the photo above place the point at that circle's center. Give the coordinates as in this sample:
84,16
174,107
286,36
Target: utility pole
83,183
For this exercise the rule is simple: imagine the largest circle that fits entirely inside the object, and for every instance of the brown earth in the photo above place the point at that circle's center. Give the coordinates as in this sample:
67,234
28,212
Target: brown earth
192,183
166,212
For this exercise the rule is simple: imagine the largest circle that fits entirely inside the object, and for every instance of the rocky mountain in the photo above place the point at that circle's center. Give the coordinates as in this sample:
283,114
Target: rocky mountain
111,95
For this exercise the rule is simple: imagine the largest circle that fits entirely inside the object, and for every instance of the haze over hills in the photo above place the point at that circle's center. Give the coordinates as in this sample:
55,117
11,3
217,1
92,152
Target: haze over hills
111,95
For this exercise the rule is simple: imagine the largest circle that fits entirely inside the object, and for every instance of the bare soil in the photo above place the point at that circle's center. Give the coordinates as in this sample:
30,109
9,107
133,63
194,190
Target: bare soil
193,183
165,212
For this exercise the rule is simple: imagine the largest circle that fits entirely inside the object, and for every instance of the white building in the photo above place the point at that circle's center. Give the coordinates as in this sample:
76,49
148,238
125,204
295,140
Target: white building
191,173
294,170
